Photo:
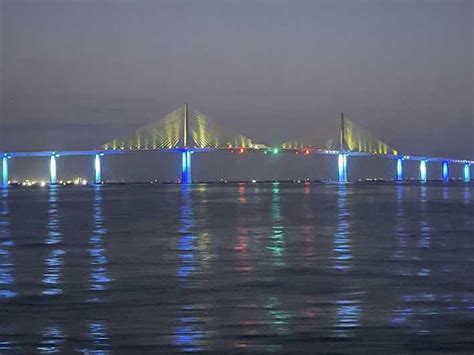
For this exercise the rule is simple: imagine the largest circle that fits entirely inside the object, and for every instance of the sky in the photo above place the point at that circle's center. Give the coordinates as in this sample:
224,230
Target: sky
75,74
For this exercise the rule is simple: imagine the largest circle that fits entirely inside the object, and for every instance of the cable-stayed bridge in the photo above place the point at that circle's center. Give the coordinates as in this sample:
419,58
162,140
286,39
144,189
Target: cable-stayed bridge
188,131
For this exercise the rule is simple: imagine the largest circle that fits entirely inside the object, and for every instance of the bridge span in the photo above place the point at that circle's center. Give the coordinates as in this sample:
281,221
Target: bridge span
187,131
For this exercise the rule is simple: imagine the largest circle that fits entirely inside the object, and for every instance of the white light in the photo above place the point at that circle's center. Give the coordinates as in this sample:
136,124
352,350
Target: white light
423,170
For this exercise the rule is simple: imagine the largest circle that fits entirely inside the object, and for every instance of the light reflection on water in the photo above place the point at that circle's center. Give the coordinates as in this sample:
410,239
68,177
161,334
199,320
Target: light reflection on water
270,267
52,276
348,308
277,247
6,244
52,339
342,238
99,279
188,335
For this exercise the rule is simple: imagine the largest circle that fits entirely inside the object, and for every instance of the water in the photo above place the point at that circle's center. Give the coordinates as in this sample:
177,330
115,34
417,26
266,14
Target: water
249,267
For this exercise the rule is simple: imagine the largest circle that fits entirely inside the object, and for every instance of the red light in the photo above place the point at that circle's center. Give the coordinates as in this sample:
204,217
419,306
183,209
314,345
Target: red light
241,150
306,151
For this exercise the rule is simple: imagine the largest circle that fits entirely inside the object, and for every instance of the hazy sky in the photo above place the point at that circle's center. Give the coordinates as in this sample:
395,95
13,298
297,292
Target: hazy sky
76,73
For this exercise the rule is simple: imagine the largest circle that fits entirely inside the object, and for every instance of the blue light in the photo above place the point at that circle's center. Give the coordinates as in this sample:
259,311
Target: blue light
467,173
184,164
342,167
399,169
52,169
98,177
186,167
445,171
5,172
423,170
189,166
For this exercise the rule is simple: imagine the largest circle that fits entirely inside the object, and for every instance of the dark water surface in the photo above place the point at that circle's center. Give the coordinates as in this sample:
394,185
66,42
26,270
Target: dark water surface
250,267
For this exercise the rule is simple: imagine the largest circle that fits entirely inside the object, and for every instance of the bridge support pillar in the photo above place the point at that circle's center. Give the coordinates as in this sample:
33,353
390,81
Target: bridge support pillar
423,175
399,176
5,171
445,171
53,170
97,170
186,177
342,167
467,172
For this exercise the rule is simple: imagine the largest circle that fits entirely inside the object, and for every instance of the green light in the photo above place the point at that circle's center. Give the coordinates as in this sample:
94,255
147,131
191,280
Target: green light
276,150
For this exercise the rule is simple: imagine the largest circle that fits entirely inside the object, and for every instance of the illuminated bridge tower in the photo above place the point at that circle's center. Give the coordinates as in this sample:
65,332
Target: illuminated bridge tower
423,171
53,169
399,175
186,177
5,170
184,130
467,172
97,169
445,171
342,157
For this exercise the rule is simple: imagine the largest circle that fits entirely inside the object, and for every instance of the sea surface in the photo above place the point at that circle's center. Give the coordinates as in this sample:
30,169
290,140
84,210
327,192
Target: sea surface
275,267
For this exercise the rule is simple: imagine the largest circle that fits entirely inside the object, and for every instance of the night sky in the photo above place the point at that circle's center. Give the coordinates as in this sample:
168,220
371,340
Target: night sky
75,74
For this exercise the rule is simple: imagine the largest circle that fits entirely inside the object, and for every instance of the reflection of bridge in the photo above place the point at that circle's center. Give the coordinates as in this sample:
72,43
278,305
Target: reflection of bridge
189,131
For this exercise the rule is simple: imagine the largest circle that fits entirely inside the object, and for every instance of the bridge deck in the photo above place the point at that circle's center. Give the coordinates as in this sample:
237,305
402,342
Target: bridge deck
48,153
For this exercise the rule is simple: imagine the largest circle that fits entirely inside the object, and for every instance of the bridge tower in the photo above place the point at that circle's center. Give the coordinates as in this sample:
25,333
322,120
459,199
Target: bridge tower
467,172
445,171
5,171
97,169
186,177
53,169
399,175
342,157
423,172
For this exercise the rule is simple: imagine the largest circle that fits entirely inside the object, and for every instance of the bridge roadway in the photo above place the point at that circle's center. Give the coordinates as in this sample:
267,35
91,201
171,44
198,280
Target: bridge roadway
187,151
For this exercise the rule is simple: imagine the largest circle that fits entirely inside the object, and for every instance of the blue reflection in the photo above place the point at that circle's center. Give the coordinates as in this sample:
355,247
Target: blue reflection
187,240
188,335
53,338
424,228
7,279
400,230
445,193
98,330
342,240
347,315
5,344
99,279
467,195
52,277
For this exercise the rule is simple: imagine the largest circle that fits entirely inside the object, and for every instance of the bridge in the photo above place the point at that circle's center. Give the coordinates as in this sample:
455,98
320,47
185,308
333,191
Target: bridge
188,131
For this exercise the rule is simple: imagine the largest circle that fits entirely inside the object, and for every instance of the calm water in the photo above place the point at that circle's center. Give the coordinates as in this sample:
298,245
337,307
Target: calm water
249,267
